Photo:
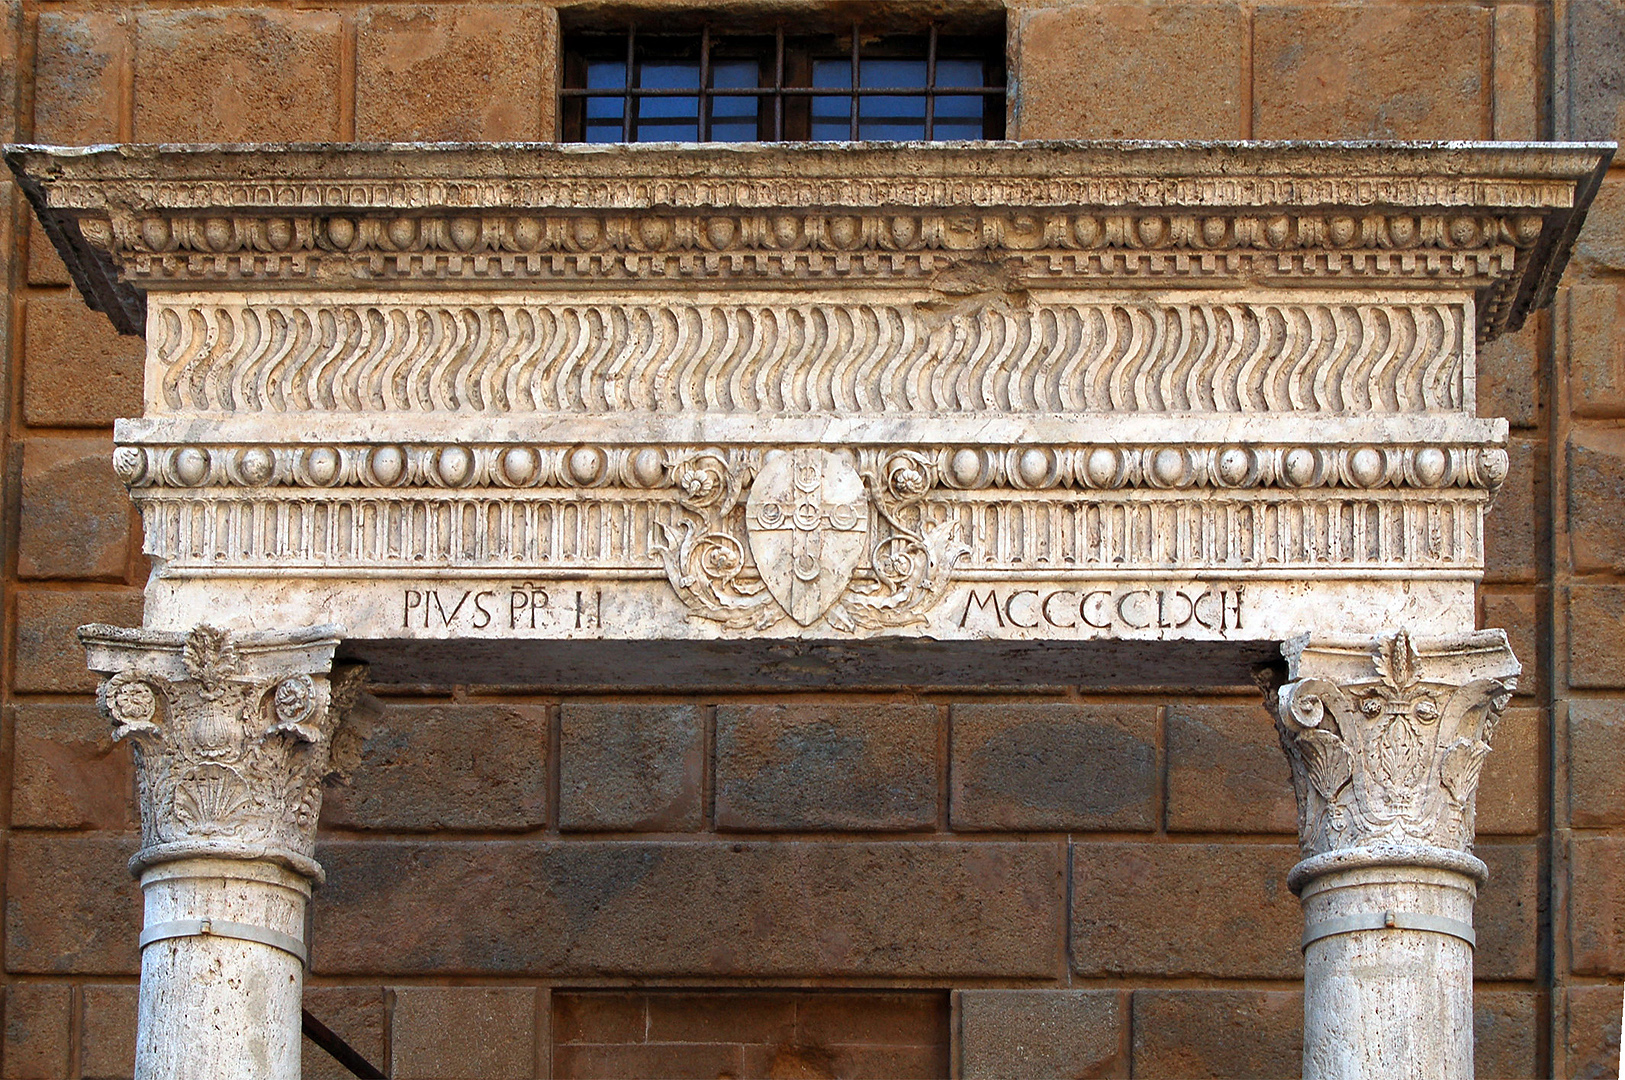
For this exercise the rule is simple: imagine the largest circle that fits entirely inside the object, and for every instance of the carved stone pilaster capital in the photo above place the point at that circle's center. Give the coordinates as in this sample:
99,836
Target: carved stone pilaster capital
233,735
1386,738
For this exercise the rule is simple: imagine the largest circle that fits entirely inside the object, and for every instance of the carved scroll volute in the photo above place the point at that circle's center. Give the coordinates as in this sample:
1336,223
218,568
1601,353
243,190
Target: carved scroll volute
233,735
1386,739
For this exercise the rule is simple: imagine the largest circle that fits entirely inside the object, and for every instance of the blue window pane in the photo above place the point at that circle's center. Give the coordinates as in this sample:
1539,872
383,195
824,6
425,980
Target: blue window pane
669,119
830,117
892,117
733,119
959,73
603,115
958,118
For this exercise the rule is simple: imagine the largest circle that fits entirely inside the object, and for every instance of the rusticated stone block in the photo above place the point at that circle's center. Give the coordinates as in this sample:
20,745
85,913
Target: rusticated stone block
1509,788
1370,71
1504,1033
630,767
49,657
1230,1033
1592,1032
1596,353
443,1032
1076,60
1221,910
71,906
1596,498
75,512
1596,748
1596,635
1597,905
77,72
1038,1034
1509,382
1517,611
37,1040
237,75
1600,247
67,773
1506,912
77,370
1226,772
463,72
447,767
355,1014
1054,767
1519,66
1596,75
859,767
107,1032
769,909
45,266
1513,526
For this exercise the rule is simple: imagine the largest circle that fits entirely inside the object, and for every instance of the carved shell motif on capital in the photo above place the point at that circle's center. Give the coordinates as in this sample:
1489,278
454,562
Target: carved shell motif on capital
1390,759
226,763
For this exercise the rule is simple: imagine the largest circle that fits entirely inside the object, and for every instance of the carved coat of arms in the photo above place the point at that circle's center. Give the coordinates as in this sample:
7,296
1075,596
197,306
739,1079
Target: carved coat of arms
807,519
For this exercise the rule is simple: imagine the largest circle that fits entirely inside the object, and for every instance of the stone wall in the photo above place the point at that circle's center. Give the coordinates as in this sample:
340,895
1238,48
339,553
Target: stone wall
1089,885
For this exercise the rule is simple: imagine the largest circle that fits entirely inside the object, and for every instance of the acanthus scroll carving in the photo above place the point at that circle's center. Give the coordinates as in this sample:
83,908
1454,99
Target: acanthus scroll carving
1386,742
233,736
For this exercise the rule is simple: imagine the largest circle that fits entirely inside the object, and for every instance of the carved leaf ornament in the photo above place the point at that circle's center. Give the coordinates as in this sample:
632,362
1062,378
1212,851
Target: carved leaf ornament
1389,759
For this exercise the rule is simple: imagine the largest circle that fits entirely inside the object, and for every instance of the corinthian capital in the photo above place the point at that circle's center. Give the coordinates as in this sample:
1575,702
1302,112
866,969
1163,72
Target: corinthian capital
232,732
1386,738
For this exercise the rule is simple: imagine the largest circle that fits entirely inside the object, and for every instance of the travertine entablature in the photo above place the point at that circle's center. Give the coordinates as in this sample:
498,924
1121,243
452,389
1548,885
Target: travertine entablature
1026,391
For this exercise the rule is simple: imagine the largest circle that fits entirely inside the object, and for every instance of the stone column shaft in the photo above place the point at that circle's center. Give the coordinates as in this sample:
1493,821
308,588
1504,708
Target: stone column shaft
1386,740
233,736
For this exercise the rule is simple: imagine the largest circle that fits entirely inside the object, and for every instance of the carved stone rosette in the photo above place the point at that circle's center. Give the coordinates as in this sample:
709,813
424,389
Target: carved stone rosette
233,736
1386,739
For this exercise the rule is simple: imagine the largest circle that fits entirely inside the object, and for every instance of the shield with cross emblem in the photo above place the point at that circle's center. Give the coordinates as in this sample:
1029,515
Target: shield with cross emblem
807,518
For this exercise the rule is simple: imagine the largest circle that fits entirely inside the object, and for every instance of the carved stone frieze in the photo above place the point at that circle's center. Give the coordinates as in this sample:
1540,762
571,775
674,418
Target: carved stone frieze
233,736
1387,739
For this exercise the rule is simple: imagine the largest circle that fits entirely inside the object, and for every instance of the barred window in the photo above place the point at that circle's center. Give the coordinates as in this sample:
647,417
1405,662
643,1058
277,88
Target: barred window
745,84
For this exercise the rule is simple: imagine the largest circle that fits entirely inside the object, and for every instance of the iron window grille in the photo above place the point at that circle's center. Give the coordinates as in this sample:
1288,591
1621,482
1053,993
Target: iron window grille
714,86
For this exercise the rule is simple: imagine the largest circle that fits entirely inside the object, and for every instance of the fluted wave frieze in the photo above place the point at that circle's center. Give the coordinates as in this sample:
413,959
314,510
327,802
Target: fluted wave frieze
808,358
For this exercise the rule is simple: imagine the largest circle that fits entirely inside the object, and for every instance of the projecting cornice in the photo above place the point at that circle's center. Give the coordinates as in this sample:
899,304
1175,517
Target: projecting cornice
957,219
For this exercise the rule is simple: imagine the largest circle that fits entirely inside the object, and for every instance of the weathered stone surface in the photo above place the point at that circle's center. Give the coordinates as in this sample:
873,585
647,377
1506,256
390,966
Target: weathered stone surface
1514,524
1504,1035
49,657
1076,60
1053,767
75,521
1596,73
37,1040
77,372
107,1034
1596,748
1225,771
67,773
465,73
440,1032
1038,1034
1596,353
626,767
355,1014
1220,910
237,75
1517,611
1509,375
1229,1033
1519,68
1596,635
1591,1042
1404,71
45,266
861,767
463,767
77,75
1600,247
1596,494
1509,788
1597,905
778,909
1507,912
71,906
